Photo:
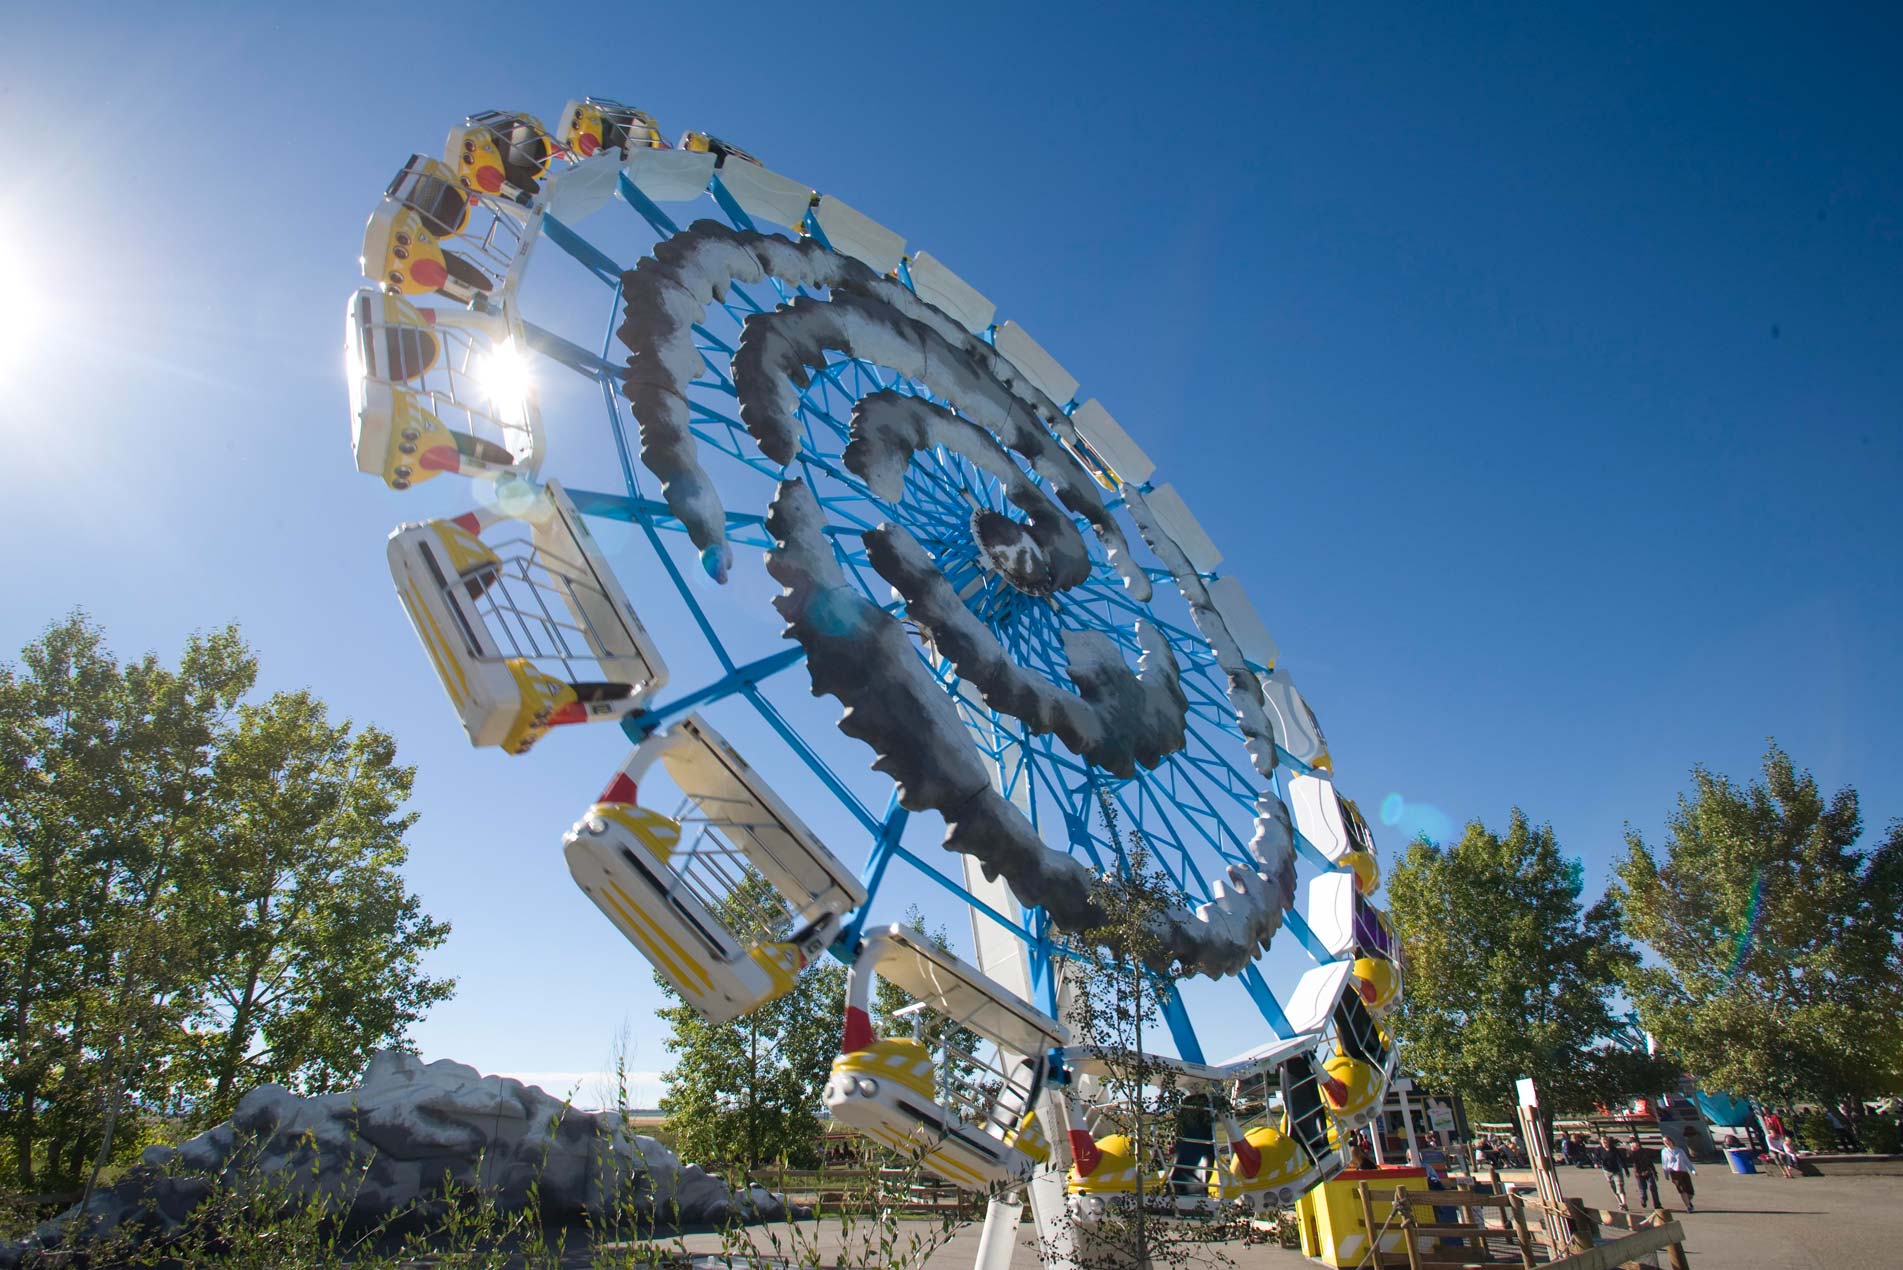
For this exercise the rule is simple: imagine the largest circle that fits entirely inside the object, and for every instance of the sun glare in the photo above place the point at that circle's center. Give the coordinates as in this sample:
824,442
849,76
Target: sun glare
19,318
504,376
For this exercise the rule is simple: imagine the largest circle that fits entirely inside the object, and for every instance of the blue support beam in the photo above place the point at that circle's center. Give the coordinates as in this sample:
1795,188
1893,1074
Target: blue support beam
959,890
732,209
884,847
657,219
591,257
570,354
641,725
1265,1003
742,527
1299,927
1188,1047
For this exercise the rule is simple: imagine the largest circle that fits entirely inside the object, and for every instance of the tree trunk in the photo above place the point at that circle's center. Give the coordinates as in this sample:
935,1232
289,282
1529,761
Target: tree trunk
23,1116
28,1094
1143,1208
753,1087
237,1041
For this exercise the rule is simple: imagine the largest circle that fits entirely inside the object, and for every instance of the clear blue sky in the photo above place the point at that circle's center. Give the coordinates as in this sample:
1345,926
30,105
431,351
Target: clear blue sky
1541,374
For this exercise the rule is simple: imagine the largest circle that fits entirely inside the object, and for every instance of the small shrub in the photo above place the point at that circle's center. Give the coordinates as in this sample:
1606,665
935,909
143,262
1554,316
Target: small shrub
1814,1132
1879,1136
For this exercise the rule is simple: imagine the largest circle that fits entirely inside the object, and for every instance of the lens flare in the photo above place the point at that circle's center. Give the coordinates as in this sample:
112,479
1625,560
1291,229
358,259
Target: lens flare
1741,942
1415,820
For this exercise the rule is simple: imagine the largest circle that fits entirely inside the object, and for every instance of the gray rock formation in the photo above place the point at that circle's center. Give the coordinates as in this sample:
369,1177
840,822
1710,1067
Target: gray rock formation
392,1144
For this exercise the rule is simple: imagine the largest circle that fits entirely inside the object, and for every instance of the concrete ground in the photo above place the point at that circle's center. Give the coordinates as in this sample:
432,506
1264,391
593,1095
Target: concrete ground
1761,1222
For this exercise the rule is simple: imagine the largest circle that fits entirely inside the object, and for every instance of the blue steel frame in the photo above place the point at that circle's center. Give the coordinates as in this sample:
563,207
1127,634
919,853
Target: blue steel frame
1194,806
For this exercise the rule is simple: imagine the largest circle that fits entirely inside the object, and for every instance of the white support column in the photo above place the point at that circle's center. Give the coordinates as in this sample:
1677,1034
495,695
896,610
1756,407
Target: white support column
999,1238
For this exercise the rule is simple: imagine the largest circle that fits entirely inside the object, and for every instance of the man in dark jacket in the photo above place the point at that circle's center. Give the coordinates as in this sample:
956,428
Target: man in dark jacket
1645,1171
1612,1162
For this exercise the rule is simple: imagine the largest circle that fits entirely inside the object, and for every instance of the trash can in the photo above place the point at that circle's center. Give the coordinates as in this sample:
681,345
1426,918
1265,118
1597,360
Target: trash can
1742,1160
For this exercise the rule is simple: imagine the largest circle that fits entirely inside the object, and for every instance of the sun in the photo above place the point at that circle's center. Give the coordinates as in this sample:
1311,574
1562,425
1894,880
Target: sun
20,310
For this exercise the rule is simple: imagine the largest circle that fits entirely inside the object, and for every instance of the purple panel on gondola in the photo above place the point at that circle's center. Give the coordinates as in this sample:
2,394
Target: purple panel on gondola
1369,933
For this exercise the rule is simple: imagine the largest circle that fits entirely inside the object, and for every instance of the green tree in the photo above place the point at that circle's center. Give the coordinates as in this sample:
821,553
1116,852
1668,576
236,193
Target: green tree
103,782
310,946
750,1090
1778,938
1507,976
119,817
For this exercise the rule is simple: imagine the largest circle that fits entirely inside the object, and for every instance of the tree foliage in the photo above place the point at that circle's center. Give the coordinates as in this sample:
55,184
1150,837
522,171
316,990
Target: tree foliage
130,796
1778,938
750,1091
1507,976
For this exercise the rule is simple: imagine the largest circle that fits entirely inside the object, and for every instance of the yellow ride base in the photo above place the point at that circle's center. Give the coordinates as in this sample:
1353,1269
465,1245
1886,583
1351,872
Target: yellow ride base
1333,1230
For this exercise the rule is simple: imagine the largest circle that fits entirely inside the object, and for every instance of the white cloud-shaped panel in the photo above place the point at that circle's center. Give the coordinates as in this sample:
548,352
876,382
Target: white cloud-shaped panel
1173,514
1245,624
1330,910
1315,995
579,192
1296,728
766,195
1038,366
855,234
1317,812
1112,444
670,176
938,285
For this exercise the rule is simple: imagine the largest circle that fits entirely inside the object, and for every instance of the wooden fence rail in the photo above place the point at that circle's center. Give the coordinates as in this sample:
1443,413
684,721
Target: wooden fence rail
1568,1240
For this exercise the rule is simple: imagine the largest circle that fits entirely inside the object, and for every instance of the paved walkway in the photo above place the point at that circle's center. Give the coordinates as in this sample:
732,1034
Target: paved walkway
1762,1222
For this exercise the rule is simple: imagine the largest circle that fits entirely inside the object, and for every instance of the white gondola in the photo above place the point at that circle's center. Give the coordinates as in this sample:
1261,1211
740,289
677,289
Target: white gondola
1297,730
1174,517
525,623
853,233
1245,624
1038,366
1113,455
1356,1057
965,1116
730,897
434,392
936,284
1318,814
670,176
431,235
765,195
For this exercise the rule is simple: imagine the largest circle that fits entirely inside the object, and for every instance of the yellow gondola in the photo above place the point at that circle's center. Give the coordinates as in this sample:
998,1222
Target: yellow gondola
525,624
731,897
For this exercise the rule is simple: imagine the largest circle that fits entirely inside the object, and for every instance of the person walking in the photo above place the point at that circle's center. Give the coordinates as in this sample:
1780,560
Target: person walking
1612,1162
1678,1170
1777,1141
1645,1171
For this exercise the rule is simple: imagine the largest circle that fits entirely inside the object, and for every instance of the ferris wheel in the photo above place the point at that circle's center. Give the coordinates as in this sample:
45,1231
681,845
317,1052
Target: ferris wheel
834,473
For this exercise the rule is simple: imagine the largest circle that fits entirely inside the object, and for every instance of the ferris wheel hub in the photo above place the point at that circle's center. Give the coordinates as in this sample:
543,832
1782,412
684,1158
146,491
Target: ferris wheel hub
1007,549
